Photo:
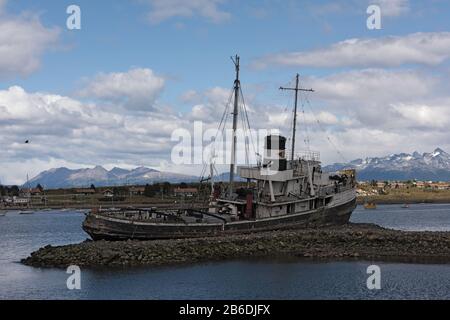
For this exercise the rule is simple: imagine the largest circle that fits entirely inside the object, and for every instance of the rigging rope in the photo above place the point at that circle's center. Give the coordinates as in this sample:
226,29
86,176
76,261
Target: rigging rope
306,139
247,122
223,122
324,131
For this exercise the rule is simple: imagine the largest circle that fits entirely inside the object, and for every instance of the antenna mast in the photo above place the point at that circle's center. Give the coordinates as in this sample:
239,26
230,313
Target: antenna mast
237,85
294,127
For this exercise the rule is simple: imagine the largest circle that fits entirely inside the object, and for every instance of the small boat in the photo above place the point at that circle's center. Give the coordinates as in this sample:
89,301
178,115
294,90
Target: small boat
405,206
26,212
370,205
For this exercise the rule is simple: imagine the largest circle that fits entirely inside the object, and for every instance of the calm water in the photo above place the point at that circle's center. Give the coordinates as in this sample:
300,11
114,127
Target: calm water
294,279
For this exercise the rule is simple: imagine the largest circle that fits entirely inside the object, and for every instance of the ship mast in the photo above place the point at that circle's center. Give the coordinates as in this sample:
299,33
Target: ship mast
237,85
294,127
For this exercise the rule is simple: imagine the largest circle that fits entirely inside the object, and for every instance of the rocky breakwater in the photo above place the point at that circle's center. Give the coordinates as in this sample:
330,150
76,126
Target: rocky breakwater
352,241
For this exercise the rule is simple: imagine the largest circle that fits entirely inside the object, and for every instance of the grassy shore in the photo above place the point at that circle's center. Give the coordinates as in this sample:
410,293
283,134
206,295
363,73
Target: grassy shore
61,199
399,196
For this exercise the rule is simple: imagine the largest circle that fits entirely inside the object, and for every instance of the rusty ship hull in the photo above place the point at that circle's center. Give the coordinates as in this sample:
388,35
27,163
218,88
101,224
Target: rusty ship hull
104,227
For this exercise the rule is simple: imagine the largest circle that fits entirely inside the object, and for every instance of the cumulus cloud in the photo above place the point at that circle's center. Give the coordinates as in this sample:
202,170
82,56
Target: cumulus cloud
364,113
65,129
190,96
373,85
136,89
2,5
430,49
23,41
376,98
162,10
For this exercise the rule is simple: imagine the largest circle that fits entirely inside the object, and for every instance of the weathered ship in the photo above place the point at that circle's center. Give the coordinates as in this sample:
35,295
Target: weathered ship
284,190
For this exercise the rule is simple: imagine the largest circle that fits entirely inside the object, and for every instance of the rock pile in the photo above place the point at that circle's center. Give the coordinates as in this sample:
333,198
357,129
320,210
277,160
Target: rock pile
352,241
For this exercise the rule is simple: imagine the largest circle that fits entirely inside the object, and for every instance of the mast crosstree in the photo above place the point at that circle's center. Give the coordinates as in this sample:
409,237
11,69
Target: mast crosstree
294,127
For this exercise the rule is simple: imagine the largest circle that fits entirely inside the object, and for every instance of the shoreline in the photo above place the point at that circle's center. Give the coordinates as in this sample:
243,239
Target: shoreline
359,201
347,242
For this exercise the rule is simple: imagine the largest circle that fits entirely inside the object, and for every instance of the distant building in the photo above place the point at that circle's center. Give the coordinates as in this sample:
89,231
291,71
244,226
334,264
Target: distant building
137,191
85,192
108,193
20,200
400,185
7,200
381,185
439,185
31,192
419,184
185,192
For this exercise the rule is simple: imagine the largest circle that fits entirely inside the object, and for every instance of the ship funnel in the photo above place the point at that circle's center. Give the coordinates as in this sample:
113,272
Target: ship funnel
275,153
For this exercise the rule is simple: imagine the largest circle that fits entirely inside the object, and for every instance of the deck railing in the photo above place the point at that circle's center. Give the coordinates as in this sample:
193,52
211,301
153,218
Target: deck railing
304,155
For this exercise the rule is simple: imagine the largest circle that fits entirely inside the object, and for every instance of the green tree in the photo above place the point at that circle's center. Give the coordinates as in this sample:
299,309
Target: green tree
14,191
167,187
148,191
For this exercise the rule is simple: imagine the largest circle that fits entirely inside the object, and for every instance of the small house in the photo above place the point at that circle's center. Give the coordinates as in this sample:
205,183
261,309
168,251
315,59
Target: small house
137,191
85,192
185,192
108,193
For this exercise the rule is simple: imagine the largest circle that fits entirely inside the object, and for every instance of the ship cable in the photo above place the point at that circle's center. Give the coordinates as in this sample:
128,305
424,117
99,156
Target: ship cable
325,132
245,123
222,125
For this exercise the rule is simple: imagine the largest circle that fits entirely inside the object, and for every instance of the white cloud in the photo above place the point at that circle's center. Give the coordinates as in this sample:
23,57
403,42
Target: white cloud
162,10
65,129
2,6
136,89
365,113
190,96
23,40
372,85
430,48
375,98
392,8
376,112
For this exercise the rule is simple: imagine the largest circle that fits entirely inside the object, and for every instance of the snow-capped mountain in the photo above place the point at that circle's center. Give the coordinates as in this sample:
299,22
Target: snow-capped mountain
99,176
428,166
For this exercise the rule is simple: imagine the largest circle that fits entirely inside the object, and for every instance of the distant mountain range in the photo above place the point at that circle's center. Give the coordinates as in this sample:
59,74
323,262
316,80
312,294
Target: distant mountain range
99,176
433,166
403,166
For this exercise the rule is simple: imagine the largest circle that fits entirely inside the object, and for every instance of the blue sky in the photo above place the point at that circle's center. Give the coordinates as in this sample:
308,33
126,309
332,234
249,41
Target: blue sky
187,44
193,51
